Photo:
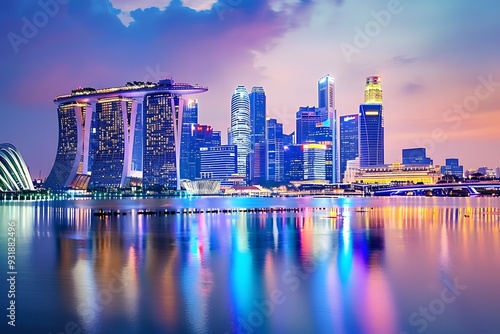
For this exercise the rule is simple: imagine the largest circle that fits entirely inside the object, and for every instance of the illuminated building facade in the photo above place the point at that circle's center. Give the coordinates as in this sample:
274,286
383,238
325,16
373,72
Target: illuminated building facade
218,162
257,162
371,135
306,120
274,150
314,162
257,116
327,108
161,111
138,142
294,165
14,175
72,152
115,131
102,135
189,119
199,136
398,173
371,124
322,134
373,90
239,132
326,97
349,142
201,187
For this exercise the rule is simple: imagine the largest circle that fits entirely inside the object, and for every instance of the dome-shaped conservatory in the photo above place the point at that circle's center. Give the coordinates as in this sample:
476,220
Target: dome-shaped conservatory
14,175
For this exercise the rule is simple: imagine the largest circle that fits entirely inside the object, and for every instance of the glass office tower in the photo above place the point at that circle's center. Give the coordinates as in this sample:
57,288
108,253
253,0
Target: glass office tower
239,132
274,151
257,116
371,135
349,142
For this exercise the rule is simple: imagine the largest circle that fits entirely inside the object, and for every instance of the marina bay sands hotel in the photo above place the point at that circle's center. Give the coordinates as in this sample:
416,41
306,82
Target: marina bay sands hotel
113,137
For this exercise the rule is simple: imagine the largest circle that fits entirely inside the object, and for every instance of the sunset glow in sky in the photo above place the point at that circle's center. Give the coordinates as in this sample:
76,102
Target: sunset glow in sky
439,62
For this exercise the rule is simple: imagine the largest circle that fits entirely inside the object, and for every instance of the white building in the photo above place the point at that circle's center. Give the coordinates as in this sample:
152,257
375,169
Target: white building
239,132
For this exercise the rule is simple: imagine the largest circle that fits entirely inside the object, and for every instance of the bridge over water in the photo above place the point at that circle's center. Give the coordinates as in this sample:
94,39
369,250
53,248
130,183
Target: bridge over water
442,189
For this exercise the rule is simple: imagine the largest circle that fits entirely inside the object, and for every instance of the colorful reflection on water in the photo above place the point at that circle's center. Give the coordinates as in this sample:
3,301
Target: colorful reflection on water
340,266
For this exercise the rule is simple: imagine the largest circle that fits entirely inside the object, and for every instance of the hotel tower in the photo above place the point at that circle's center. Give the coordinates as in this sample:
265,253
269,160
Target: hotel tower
111,137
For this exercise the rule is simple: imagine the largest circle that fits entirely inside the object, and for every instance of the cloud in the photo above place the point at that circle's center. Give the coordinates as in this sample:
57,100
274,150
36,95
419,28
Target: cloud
199,4
403,59
126,7
412,88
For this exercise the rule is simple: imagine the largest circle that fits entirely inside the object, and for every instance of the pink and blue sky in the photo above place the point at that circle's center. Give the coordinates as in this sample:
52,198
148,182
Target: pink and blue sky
439,62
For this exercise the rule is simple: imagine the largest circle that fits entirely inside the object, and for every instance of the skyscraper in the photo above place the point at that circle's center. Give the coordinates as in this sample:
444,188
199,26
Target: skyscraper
306,120
189,119
72,149
294,163
314,162
371,135
323,135
257,163
161,114
199,136
274,151
349,142
371,125
239,132
326,95
373,90
112,163
257,116
190,115
327,107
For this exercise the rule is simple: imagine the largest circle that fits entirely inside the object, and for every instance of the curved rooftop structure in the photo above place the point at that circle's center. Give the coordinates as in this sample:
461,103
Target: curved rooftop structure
136,89
14,175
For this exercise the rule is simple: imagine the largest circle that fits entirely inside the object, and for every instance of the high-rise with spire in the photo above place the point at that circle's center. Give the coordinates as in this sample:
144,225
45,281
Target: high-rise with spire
371,125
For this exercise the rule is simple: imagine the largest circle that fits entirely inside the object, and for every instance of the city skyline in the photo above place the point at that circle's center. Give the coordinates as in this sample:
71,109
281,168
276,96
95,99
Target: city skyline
441,86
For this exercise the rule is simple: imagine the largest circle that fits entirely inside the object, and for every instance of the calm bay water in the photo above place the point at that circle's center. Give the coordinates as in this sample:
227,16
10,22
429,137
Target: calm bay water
343,265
